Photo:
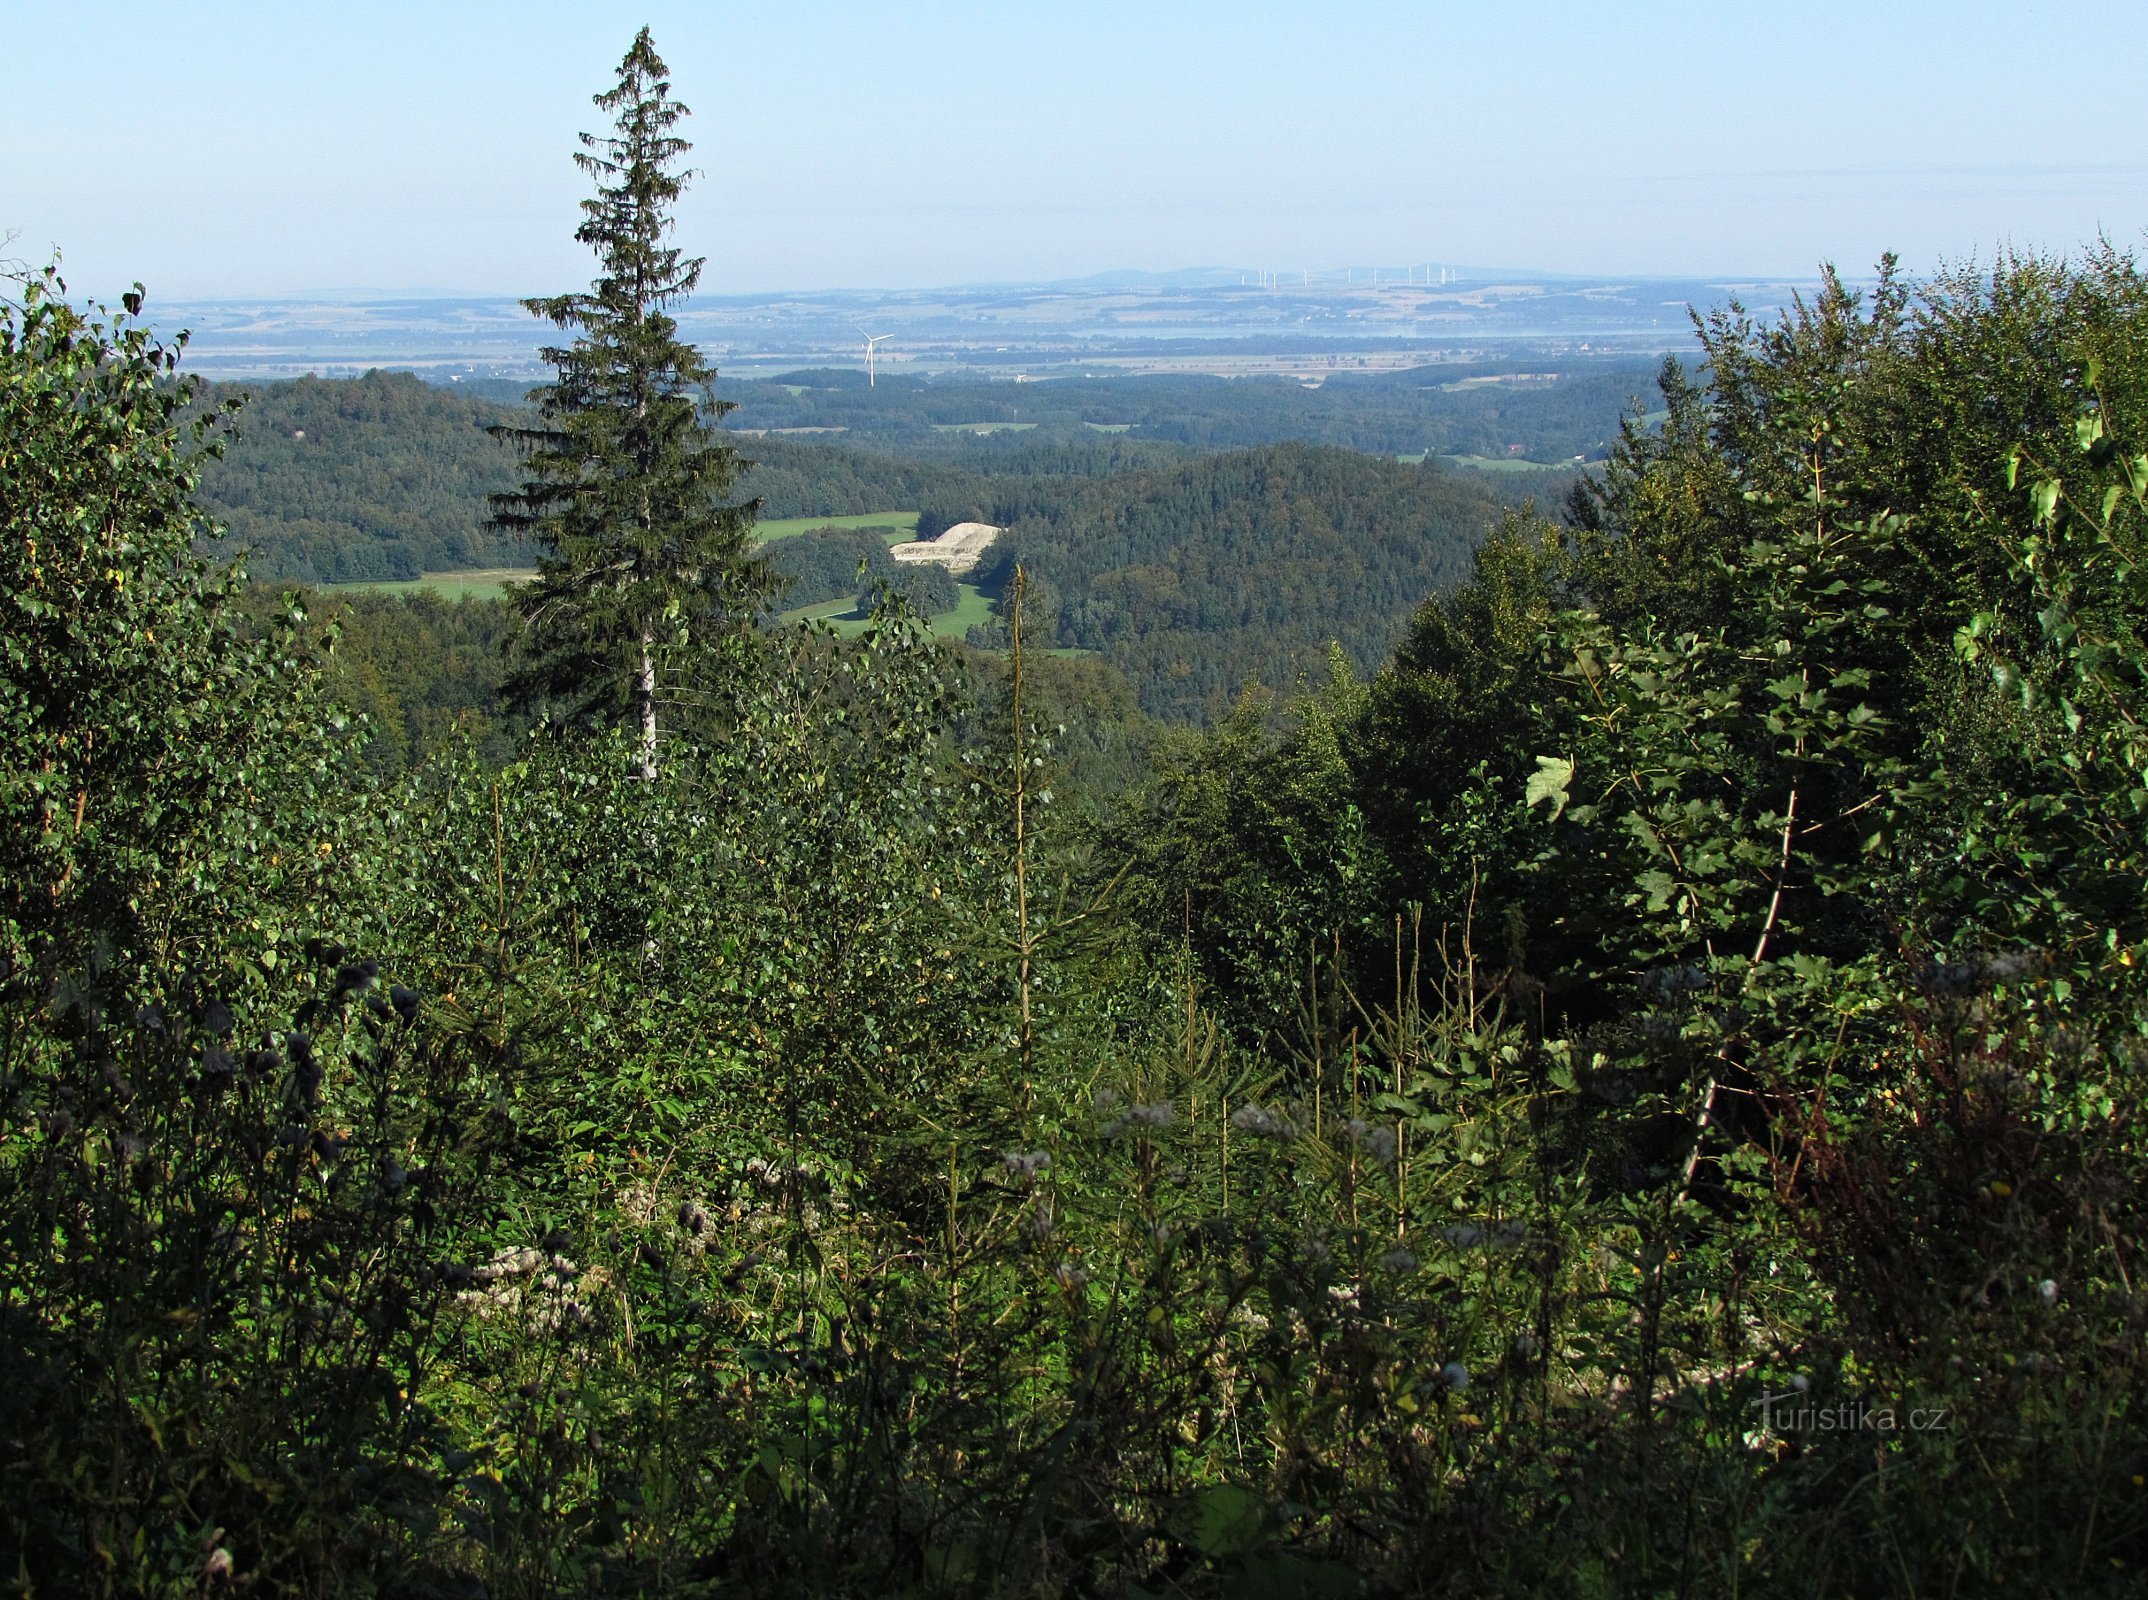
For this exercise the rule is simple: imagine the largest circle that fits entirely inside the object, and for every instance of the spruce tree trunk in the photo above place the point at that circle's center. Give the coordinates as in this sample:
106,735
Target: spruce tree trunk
645,697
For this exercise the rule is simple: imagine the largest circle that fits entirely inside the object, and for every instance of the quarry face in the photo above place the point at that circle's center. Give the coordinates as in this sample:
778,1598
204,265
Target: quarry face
958,549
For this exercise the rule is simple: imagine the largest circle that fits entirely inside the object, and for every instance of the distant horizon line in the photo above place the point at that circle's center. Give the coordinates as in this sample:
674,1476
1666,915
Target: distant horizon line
1115,279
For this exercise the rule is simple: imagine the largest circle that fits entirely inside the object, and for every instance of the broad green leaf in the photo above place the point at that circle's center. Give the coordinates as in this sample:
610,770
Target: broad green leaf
1548,784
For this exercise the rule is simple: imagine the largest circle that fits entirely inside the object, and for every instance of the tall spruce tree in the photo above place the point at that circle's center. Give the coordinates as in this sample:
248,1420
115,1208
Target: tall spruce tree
626,484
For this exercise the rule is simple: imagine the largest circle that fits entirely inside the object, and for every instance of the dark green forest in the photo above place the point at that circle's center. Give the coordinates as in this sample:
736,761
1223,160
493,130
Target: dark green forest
1243,568
423,673
341,480
828,563
1197,575
385,476
1627,1080
1545,409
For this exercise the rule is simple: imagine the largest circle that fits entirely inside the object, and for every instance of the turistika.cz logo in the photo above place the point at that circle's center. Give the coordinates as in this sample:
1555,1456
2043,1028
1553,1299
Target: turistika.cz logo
1796,1411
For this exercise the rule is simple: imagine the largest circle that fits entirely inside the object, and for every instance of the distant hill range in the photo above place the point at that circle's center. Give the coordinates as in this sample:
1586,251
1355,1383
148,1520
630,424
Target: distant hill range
1218,320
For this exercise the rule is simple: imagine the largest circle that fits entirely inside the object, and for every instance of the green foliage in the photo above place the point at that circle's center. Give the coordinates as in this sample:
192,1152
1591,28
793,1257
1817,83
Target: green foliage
138,722
825,564
832,562
1240,569
1640,1095
222,1178
923,588
1793,789
421,672
229,1232
375,478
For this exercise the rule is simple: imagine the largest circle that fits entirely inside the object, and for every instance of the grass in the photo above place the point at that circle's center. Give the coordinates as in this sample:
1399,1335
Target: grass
839,614
786,527
982,427
490,583
973,609
1107,427
1508,464
1521,380
486,583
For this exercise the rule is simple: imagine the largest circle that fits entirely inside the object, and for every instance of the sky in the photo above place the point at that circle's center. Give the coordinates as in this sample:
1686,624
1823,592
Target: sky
216,149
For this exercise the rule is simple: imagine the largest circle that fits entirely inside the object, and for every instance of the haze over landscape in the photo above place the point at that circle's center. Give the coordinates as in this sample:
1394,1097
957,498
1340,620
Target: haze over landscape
1203,802
396,148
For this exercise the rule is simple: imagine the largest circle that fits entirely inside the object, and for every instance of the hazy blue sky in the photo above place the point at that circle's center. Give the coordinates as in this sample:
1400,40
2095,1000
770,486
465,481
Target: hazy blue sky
212,147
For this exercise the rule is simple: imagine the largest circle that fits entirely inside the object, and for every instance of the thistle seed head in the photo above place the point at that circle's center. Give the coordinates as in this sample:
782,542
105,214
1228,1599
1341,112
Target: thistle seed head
355,976
1264,1123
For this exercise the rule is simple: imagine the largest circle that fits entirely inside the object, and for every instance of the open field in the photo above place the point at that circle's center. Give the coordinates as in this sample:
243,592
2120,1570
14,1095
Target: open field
490,583
982,427
975,608
838,614
785,527
1505,464
484,583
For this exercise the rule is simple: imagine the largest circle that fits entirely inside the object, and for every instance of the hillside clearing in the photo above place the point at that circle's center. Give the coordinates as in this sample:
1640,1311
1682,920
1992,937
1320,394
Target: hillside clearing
477,583
974,610
788,527
1503,463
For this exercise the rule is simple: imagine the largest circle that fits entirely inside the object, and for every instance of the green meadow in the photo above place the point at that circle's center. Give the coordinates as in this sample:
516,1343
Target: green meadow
484,583
842,615
491,583
1499,463
786,527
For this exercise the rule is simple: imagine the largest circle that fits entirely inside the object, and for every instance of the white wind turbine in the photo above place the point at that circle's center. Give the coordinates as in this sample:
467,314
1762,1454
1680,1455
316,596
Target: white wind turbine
873,341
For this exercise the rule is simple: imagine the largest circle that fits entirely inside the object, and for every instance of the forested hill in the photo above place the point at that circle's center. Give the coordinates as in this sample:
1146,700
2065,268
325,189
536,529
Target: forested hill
385,477
1194,574
337,480
1231,569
